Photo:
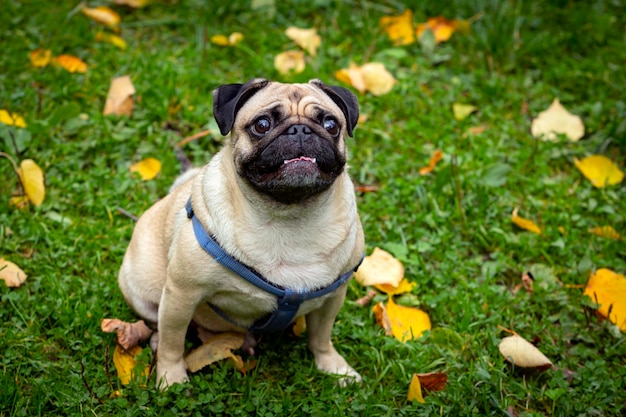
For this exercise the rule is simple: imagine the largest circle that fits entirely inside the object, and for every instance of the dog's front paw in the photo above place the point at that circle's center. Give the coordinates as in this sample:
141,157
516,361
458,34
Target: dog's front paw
167,375
334,363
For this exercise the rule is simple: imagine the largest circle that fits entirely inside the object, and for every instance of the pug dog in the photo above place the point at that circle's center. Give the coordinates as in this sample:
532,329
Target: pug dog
266,232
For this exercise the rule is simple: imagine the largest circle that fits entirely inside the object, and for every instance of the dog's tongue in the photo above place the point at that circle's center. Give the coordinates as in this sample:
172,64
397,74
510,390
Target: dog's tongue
302,158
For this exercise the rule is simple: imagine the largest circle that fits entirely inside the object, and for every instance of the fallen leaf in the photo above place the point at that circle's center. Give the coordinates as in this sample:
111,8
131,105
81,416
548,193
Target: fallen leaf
382,318
525,223
407,323
289,62
605,231
555,120
415,390
522,353
70,63
477,130
380,268
125,364
112,39
403,287
434,159
129,335
441,27
600,170
11,119
372,77
433,381
299,326
461,111
222,40
307,39
31,177
11,274
102,14
119,99
19,201
147,168
137,4
40,58
399,28
218,348
608,289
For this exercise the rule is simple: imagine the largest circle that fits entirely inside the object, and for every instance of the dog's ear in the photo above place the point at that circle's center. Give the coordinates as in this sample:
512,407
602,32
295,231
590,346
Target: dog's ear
343,98
229,98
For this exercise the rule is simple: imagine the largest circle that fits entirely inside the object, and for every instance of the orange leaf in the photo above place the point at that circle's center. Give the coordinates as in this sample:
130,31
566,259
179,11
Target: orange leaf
40,57
403,287
31,177
436,157
407,323
307,39
608,289
441,27
102,14
605,231
11,274
147,168
415,390
289,62
399,28
120,97
70,63
299,326
380,268
525,223
125,364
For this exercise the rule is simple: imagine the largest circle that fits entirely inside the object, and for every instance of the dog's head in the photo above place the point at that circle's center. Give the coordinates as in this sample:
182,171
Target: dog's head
288,139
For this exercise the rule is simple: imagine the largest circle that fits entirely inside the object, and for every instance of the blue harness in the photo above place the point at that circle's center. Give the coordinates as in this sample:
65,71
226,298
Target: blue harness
288,301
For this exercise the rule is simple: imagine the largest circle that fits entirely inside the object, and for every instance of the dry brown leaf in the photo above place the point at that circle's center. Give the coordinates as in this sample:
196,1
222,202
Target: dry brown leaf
11,274
289,62
433,381
125,364
147,168
556,119
523,354
120,97
129,335
367,298
307,39
380,268
102,14
382,318
31,177
218,348
608,289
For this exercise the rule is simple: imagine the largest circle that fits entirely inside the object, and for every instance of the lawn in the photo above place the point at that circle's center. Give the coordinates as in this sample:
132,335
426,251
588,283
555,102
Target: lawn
451,228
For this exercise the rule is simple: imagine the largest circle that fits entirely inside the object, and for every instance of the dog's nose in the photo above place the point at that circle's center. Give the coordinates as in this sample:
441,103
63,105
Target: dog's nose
299,129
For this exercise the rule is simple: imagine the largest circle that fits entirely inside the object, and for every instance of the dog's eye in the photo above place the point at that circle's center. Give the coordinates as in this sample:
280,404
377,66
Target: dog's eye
261,126
331,126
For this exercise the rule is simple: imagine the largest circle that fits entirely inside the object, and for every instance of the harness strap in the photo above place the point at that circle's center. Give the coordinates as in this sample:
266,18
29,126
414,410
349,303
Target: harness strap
288,301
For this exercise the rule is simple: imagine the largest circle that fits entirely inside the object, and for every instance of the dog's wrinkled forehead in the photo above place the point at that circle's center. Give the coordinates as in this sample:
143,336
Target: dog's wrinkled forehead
239,103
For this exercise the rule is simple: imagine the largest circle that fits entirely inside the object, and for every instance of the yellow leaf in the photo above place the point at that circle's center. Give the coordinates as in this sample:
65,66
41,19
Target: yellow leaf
352,76
70,63
372,77
380,268
119,100
299,327
441,27
307,39
31,177
40,57
20,201
407,323
112,39
102,14
220,40
605,231
217,348
415,390
461,111
234,38
522,353
289,61
132,3
125,364
147,168
525,223
11,119
600,170
608,289
11,274
399,28
556,119
403,287
434,159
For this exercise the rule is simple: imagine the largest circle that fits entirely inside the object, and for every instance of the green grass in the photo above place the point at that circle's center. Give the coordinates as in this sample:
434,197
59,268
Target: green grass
451,229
